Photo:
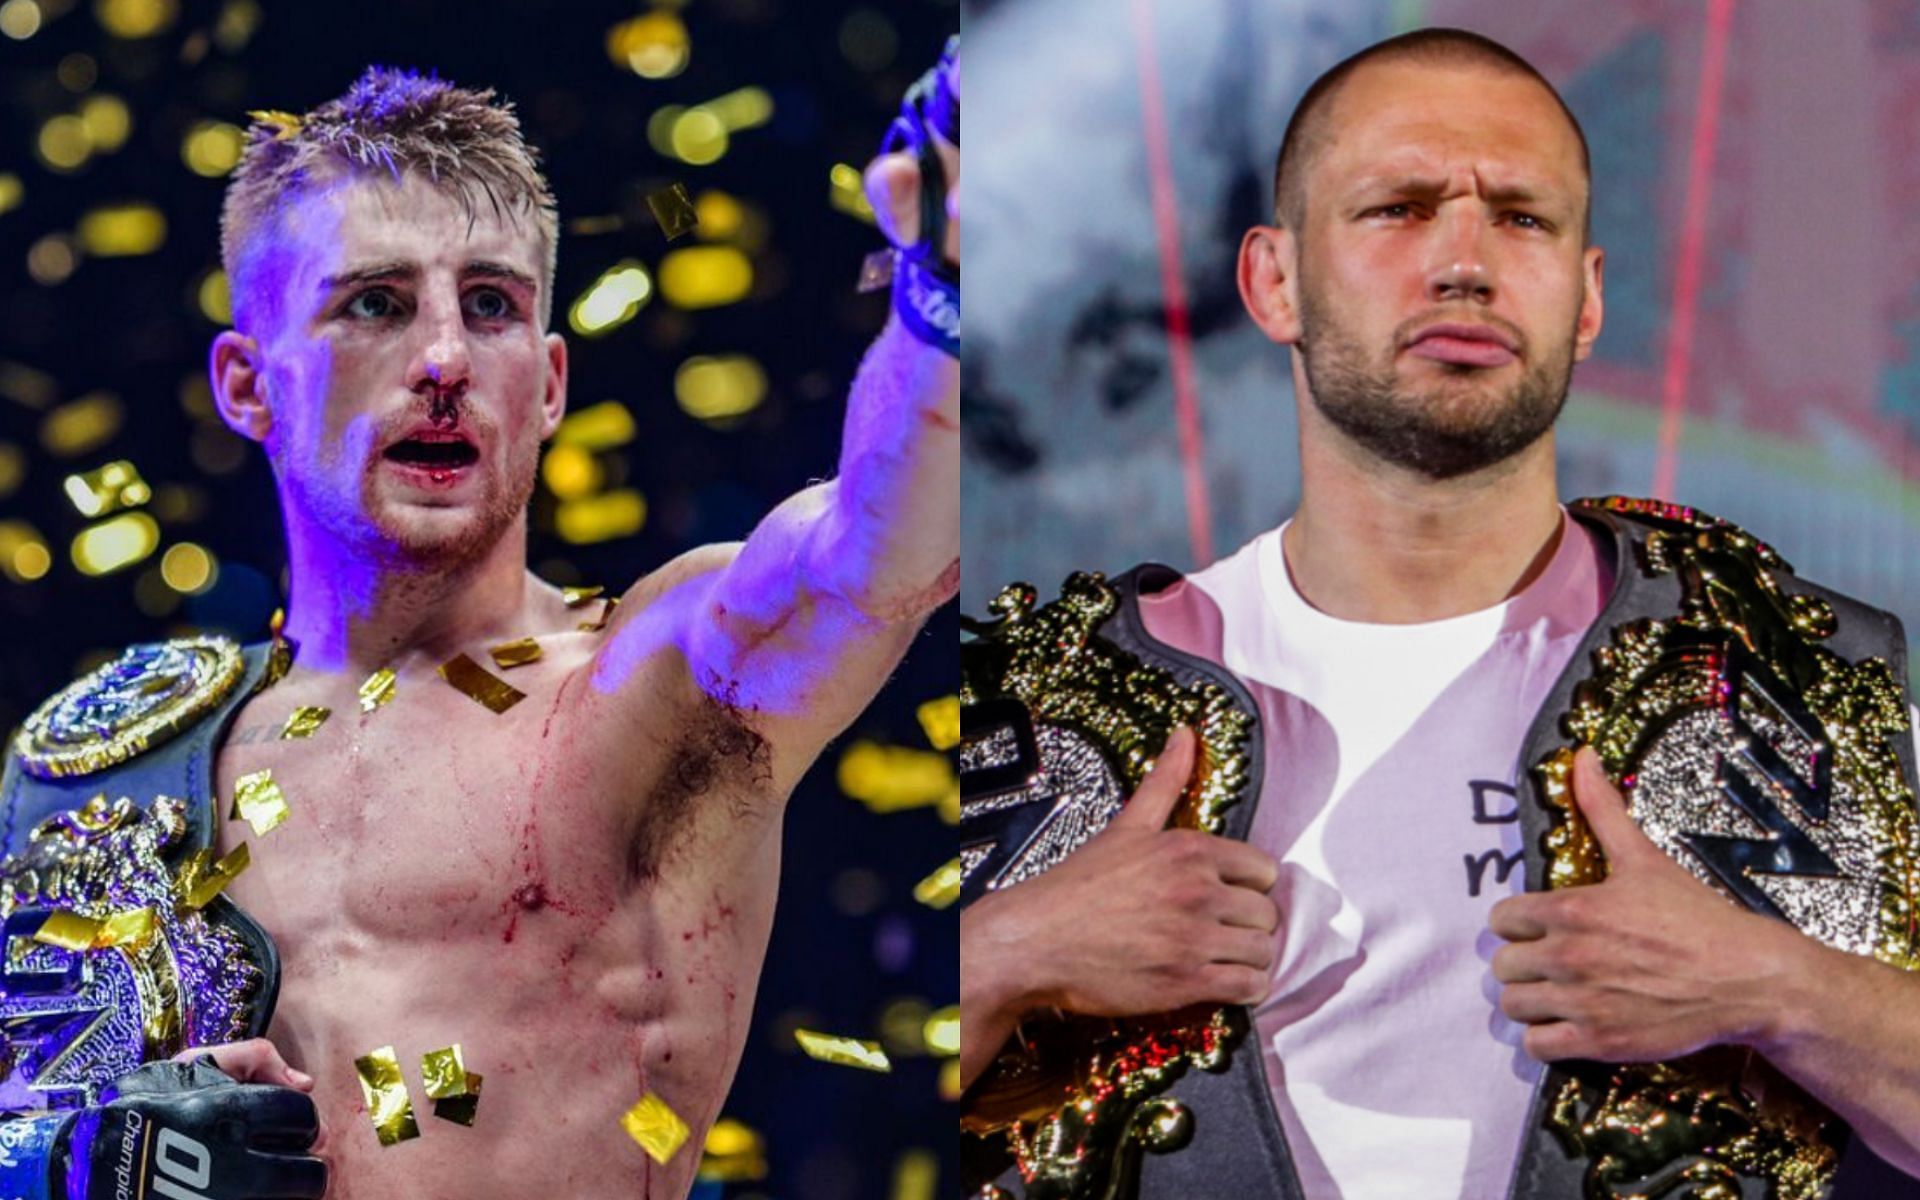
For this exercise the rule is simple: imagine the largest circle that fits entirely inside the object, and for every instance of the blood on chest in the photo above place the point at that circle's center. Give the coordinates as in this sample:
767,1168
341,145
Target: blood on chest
422,839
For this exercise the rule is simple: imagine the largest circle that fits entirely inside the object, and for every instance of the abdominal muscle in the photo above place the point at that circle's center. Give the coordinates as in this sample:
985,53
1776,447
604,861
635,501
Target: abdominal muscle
568,1032
445,898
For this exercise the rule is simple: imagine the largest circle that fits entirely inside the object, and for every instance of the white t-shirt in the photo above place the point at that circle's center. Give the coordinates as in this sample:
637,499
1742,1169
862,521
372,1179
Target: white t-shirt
1391,760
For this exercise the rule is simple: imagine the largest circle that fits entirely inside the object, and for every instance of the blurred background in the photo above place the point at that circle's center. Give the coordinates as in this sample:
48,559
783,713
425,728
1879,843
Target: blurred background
1753,162
708,382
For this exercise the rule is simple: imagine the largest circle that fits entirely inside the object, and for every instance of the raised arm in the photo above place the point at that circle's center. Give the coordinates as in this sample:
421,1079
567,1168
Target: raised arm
798,627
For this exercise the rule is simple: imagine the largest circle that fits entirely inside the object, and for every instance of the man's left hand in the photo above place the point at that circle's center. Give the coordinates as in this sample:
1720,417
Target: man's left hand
1648,964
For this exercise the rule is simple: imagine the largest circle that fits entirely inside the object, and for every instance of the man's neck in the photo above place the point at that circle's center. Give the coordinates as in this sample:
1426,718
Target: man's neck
1379,544
351,613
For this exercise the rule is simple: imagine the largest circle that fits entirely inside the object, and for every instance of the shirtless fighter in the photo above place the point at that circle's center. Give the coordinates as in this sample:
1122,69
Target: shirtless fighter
576,888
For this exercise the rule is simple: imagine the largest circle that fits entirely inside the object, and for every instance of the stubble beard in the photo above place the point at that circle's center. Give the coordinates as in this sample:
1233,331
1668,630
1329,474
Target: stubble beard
404,537
1455,427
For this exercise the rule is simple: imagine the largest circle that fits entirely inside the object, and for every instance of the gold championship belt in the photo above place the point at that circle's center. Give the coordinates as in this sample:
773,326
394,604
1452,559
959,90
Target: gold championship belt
1765,763
118,947
1063,709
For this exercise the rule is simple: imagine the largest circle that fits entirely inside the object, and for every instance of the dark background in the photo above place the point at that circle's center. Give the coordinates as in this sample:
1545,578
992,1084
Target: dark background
126,337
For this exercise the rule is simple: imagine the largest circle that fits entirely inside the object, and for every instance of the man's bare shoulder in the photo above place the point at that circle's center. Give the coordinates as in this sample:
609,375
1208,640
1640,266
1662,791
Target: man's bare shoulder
670,581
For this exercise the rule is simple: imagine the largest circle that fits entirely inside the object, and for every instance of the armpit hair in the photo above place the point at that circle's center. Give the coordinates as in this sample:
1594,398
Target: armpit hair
715,752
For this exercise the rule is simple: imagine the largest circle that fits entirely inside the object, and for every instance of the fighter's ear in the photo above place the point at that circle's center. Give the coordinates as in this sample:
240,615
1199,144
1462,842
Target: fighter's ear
1268,276
239,385
1592,303
553,398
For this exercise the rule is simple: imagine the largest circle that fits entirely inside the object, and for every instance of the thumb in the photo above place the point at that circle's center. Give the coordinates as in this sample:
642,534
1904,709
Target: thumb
1606,810
1153,804
893,190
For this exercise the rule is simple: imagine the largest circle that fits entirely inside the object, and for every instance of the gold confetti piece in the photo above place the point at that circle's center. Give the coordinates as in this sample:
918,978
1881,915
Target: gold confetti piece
388,1105
606,614
444,1072
131,928
67,930
258,801
891,779
378,689
577,596
285,125
280,657
201,879
508,655
941,721
673,209
940,889
729,1137
461,1109
304,722
733,1153
876,271
657,1128
941,1033
479,684
950,1079
843,1051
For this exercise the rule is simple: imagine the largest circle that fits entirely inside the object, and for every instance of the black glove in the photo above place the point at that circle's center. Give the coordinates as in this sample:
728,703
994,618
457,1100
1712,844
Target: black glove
187,1131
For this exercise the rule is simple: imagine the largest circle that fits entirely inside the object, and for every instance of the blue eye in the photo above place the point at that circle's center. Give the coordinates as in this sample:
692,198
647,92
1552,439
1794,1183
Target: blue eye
375,304
489,304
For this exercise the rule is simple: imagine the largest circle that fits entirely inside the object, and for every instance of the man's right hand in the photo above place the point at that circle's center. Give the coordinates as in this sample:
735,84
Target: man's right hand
187,1131
1141,919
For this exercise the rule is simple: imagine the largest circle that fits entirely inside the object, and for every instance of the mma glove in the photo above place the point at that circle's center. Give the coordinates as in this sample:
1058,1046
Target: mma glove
168,1131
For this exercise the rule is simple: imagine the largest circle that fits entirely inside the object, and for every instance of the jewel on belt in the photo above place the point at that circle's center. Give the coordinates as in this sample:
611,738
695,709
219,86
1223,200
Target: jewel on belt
258,801
658,1129
479,685
388,1104
843,1051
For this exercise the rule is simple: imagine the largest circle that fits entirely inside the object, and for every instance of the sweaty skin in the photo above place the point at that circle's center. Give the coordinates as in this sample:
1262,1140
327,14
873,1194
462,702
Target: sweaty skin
578,891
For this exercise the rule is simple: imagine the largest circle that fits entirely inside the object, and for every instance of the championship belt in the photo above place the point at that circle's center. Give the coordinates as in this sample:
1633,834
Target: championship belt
1063,708
1770,766
118,948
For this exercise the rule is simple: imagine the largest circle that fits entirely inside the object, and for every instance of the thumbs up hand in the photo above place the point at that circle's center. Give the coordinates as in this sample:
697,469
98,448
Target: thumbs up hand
1646,965
1141,919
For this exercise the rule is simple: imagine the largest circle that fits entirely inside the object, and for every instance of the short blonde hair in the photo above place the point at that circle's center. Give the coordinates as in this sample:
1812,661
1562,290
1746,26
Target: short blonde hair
391,121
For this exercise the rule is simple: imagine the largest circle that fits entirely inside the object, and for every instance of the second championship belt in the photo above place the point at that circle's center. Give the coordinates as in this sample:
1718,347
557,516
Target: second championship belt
1759,733
1063,707
117,944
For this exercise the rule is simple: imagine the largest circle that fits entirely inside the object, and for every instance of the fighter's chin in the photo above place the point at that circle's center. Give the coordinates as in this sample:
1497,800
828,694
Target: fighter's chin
425,535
